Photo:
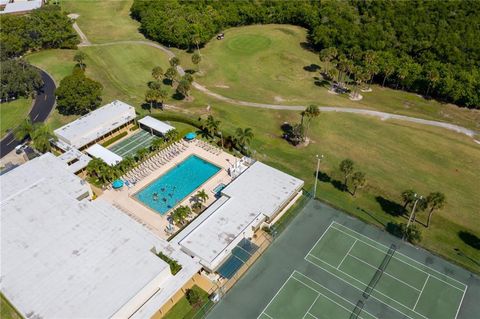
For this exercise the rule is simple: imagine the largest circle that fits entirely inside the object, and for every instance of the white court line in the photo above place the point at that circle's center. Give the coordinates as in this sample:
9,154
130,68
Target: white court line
361,290
330,291
312,316
461,301
421,292
386,273
319,293
266,314
348,252
364,284
320,238
276,295
310,308
399,253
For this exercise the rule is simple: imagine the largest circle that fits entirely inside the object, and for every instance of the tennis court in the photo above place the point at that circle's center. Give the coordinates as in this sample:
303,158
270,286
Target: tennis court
325,264
130,145
405,285
303,297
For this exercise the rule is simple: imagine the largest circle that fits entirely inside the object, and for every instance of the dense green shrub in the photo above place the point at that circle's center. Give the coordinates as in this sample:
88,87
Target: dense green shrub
45,28
114,139
78,94
175,267
429,47
19,79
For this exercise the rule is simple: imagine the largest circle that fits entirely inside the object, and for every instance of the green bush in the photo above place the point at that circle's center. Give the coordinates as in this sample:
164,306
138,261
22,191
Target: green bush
175,267
178,118
114,139
194,297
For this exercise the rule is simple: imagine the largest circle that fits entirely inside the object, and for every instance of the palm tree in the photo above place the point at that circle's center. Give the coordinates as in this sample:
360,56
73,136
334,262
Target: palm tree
196,59
80,59
212,125
408,197
244,136
435,201
157,73
201,196
150,97
346,167
24,130
157,144
311,112
171,135
174,62
125,165
326,56
171,74
94,167
162,94
358,181
41,136
141,154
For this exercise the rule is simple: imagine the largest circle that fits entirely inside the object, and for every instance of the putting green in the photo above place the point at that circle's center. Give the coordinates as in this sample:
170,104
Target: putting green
248,43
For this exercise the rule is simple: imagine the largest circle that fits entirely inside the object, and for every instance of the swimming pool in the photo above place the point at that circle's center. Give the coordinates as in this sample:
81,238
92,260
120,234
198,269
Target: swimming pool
172,187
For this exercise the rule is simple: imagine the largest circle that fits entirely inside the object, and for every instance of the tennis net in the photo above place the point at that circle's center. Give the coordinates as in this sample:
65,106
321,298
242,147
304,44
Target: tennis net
378,274
357,310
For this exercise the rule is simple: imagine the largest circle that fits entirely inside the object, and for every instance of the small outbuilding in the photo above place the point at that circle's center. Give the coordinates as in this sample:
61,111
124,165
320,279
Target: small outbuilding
155,126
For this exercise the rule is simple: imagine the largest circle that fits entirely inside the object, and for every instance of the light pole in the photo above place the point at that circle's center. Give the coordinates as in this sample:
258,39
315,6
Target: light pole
319,158
412,213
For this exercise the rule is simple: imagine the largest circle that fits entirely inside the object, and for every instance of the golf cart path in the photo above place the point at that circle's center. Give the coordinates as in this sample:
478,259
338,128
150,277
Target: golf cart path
382,115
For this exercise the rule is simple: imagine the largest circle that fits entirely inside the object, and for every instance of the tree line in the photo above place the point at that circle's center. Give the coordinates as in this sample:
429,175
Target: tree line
428,47
44,28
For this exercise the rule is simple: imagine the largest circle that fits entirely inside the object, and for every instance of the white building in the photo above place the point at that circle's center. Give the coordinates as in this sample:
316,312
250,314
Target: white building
19,6
64,256
258,195
96,125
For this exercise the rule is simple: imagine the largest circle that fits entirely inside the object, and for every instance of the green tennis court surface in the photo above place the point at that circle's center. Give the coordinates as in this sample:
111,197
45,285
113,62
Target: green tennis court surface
408,287
321,265
303,297
131,144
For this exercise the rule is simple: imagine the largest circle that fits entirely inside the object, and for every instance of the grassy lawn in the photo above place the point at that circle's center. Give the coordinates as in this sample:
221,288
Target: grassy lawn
183,309
394,155
123,69
267,64
13,113
6,309
104,21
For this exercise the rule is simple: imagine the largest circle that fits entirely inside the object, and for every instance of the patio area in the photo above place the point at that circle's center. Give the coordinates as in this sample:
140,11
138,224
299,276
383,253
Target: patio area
124,198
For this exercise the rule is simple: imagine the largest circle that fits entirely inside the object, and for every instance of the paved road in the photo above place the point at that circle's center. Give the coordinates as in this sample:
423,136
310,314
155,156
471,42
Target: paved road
43,105
198,86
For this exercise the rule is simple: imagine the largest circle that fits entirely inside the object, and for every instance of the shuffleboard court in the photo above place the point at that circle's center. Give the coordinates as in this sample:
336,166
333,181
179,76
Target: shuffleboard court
130,145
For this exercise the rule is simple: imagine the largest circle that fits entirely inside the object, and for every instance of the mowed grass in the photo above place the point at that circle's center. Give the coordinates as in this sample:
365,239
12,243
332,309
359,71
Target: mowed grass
13,113
7,311
270,64
394,155
123,69
104,21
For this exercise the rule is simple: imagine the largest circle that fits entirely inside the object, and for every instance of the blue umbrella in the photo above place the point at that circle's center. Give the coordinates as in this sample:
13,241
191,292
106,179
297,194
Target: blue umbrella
190,136
117,184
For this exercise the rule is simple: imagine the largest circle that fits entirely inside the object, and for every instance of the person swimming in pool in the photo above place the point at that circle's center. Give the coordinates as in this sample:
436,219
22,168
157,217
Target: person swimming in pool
155,196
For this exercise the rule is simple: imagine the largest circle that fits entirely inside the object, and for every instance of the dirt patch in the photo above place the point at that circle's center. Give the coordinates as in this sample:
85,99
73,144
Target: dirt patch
279,99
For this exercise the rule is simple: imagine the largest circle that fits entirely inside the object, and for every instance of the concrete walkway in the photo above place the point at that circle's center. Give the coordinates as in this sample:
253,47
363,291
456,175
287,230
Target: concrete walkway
382,115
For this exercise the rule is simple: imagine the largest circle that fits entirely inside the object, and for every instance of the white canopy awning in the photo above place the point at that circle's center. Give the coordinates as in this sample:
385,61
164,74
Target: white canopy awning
156,125
105,154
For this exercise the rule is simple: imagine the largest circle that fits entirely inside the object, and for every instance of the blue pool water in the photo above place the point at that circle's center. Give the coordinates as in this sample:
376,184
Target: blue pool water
172,187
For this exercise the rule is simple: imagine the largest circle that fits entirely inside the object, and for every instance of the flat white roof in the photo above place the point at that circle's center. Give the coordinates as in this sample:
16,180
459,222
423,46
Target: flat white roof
22,6
156,125
105,154
65,258
75,159
46,167
96,124
259,192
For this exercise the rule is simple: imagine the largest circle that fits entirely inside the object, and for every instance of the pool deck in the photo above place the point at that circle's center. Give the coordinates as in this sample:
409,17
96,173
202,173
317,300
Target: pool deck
125,201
